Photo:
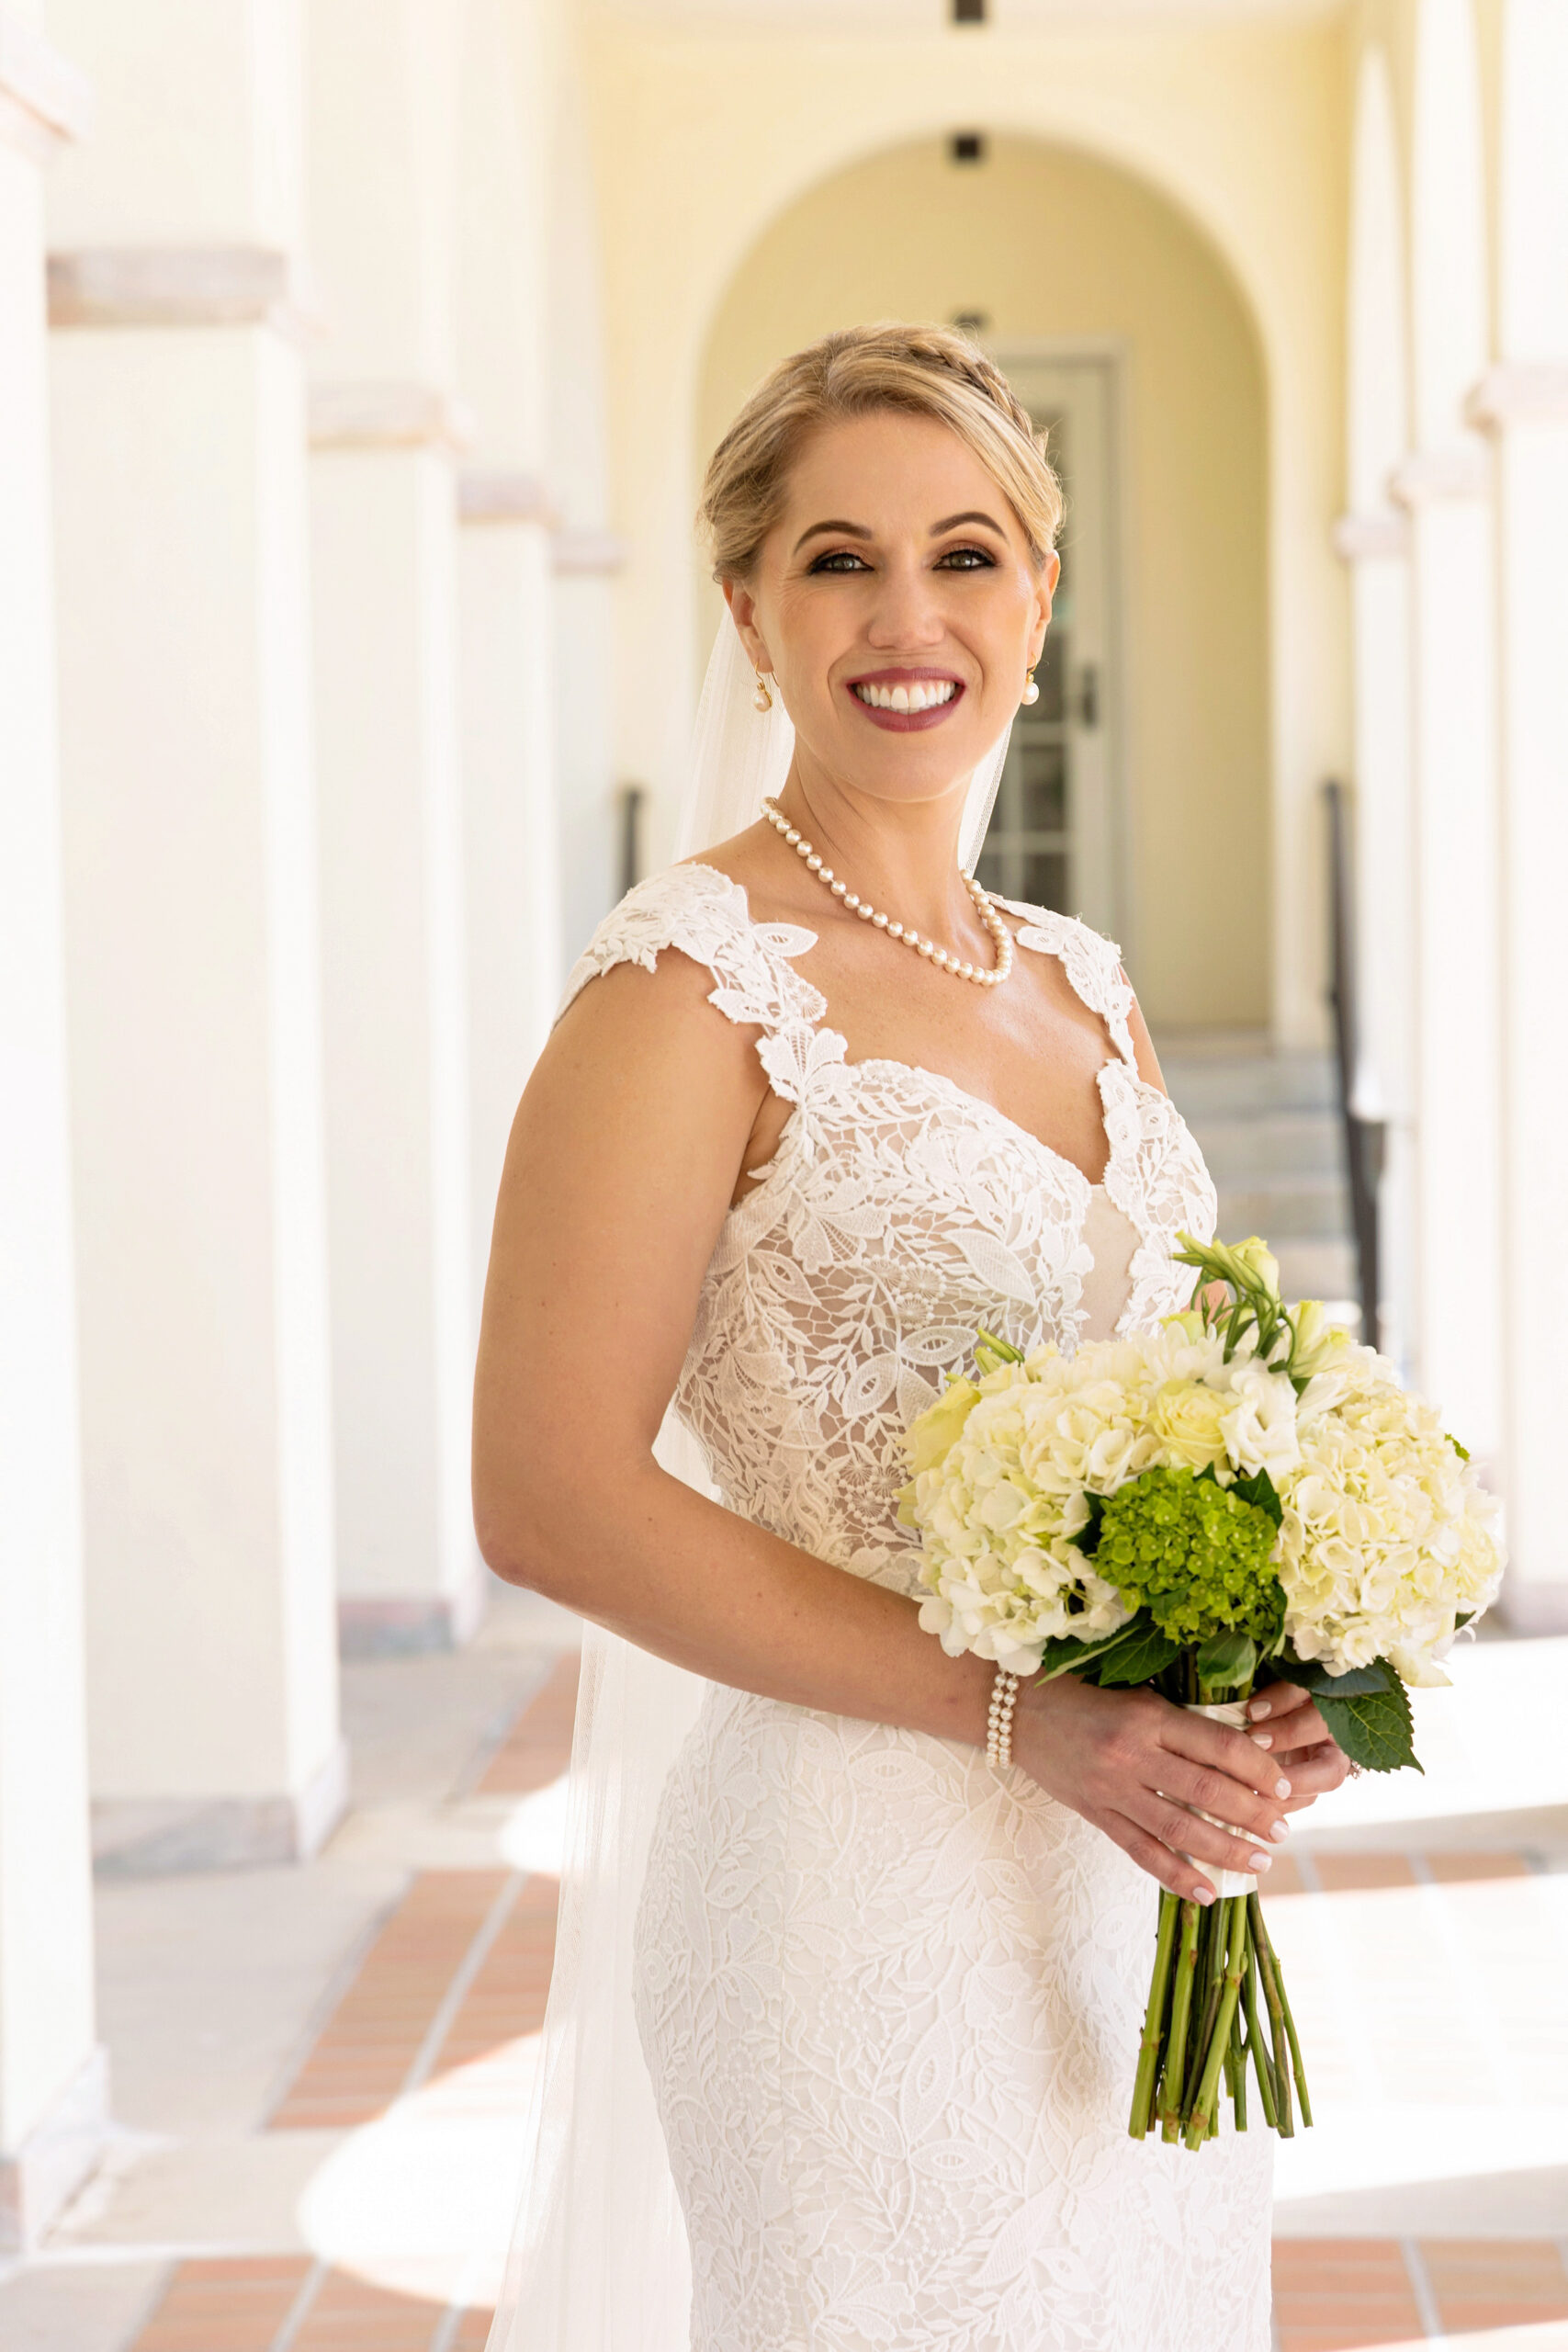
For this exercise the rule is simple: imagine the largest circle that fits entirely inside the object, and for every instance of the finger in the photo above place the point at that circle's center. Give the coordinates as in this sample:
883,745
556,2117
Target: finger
1276,1699
1316,1774
1216,1793
1171,1869
1223,1750
1185,1834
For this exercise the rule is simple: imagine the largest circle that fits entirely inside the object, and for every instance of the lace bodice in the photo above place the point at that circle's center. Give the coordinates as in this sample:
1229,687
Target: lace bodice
897,1215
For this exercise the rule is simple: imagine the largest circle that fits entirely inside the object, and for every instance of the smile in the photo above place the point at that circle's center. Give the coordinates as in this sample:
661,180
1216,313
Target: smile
920,694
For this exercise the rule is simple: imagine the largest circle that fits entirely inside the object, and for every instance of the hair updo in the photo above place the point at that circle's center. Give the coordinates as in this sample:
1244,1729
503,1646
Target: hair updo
919,371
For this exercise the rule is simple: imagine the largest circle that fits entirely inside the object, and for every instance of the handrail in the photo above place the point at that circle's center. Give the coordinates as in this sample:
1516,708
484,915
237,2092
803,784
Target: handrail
1365,1139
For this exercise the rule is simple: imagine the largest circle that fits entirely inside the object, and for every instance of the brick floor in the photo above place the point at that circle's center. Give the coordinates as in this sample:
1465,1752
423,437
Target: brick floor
295,2306
537,1748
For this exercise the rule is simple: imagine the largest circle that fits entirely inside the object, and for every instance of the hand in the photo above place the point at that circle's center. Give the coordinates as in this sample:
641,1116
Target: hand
1289,1726
1130,1762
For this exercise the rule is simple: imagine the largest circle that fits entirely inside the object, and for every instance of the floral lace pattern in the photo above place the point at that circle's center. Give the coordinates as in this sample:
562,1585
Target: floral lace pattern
890,2003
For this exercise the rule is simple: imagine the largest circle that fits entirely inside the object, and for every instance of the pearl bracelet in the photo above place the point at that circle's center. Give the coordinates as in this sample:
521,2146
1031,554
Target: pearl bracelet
999,1721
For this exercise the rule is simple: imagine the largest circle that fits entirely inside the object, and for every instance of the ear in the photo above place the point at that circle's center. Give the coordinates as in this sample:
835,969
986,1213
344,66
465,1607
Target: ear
743,613
1045,590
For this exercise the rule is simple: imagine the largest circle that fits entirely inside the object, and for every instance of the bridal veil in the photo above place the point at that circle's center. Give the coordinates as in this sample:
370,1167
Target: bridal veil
599,2260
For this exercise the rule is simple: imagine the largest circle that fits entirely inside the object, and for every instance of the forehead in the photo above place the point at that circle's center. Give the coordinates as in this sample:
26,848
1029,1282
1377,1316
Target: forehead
889,468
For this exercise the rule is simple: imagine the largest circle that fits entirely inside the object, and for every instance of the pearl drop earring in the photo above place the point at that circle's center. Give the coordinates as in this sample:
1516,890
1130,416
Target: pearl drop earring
1030,691
762,699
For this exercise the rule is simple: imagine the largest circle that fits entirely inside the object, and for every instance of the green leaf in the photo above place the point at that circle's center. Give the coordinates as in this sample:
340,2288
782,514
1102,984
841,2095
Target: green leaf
1357,1682
1374,1731
1227,1658
1086,1540
1262,1492
1065,1656
1462,1451
1140,1652
990,1352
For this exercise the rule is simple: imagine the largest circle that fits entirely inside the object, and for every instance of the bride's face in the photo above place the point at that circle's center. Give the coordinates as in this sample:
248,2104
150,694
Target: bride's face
899,573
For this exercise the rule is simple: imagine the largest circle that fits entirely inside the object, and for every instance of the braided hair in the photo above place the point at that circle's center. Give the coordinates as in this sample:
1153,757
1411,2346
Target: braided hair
919,371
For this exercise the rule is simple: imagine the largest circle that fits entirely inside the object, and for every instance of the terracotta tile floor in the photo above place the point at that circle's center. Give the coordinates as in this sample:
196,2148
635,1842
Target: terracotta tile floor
462,1966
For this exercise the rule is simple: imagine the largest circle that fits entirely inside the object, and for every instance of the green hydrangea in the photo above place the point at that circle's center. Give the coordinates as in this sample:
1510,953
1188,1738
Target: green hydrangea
1193,1554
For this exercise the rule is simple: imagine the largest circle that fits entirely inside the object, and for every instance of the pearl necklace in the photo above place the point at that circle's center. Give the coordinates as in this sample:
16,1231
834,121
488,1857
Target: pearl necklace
942,958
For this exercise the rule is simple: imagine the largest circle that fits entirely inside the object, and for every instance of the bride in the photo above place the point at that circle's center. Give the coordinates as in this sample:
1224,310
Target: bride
817,1107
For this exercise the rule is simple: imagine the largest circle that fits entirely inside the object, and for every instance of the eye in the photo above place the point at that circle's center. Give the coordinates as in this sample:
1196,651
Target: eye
967,560
840,559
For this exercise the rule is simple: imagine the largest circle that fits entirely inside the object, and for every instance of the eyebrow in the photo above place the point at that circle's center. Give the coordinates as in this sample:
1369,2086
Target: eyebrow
859,531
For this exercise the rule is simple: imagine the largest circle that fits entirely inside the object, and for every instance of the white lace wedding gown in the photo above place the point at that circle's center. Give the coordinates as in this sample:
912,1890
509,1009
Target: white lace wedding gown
890,2002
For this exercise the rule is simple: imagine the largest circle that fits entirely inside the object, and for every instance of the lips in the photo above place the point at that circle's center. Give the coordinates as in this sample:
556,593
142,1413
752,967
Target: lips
903,702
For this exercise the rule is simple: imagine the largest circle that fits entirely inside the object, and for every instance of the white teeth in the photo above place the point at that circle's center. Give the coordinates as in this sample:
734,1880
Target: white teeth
907,699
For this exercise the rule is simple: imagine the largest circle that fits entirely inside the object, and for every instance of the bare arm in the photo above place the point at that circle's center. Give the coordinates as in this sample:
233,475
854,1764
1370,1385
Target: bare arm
625,1152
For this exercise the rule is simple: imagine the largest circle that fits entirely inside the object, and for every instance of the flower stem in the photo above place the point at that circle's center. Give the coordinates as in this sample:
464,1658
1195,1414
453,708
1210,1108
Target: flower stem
1255,2048
1286,2126
1233,1942
1153,2020
1297,2066
1180,2010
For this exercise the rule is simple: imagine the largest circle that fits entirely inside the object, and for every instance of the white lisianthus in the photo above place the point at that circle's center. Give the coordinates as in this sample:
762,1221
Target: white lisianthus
1260,1427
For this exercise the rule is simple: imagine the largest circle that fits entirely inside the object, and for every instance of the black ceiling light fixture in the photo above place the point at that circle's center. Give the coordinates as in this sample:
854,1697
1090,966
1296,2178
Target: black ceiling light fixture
967,147
968,12
970,323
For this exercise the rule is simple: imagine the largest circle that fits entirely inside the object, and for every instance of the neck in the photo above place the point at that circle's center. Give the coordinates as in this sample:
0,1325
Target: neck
901,855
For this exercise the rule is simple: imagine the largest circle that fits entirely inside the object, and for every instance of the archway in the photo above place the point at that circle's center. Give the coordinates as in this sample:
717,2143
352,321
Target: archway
1068,259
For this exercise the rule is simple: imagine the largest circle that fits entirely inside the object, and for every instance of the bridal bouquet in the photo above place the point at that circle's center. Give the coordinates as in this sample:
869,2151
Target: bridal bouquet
1241,1494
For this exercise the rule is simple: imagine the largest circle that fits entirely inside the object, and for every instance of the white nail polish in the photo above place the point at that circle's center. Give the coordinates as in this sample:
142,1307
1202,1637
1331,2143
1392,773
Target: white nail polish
1261,1738
1280,1831
1261,1863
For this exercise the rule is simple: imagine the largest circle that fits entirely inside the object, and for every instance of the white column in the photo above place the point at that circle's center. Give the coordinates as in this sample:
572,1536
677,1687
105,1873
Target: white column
1446,486
1523,403
506,619
52,2076
1373,538
1455,1245
193,955
386,429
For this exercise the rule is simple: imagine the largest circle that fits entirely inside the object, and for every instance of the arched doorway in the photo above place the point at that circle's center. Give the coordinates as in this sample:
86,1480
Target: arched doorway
1122,324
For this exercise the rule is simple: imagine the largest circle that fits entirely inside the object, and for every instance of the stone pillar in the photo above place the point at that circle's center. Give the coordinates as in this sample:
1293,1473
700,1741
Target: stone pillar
385,428
506,632
1455,1242
52,2074
1522,403
193,954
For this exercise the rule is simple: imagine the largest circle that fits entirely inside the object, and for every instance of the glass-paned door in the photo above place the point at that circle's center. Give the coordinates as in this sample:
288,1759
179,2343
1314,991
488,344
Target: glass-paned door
1055,834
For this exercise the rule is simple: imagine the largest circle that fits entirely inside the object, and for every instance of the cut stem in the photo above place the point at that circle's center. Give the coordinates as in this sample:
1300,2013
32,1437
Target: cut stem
1205,2104
1180,2011
1280,2051
1154,2019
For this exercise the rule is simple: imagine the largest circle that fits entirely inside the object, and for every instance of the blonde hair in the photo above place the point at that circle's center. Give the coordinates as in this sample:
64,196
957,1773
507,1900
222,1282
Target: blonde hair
919,371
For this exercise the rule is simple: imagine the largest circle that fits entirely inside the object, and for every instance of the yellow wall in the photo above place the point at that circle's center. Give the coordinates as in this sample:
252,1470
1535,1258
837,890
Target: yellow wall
1049,243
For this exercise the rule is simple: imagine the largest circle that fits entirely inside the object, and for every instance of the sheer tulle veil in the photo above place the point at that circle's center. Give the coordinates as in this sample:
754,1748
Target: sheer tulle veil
599,2260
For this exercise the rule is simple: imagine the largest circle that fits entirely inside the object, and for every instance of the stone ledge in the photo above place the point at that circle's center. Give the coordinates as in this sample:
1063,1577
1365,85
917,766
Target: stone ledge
1364,538
1462,471
145,1837
62,2148
588,554
44,102
498,495
175,286
1520,392
408,416
399,1625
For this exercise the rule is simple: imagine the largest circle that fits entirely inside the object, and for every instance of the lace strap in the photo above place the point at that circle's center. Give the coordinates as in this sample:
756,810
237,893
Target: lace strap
1092,964
705,915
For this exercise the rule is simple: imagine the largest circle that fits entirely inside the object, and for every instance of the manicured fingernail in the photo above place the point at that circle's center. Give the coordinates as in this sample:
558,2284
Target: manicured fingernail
1261,1863
1257,1709
1281,1830
1261,1738
1204,1894
1281,1788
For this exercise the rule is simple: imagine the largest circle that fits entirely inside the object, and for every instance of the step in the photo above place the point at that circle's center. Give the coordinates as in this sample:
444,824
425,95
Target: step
1292,1208
1278,1143
1205,1086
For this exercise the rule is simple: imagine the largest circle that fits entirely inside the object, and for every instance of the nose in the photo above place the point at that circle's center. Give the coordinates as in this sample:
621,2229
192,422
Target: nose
907,614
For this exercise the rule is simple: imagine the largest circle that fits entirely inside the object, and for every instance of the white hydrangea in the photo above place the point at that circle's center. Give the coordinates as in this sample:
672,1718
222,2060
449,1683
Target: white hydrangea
1388,1534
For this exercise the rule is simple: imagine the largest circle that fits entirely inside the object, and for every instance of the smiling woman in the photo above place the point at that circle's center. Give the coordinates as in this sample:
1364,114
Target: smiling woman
777,1175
